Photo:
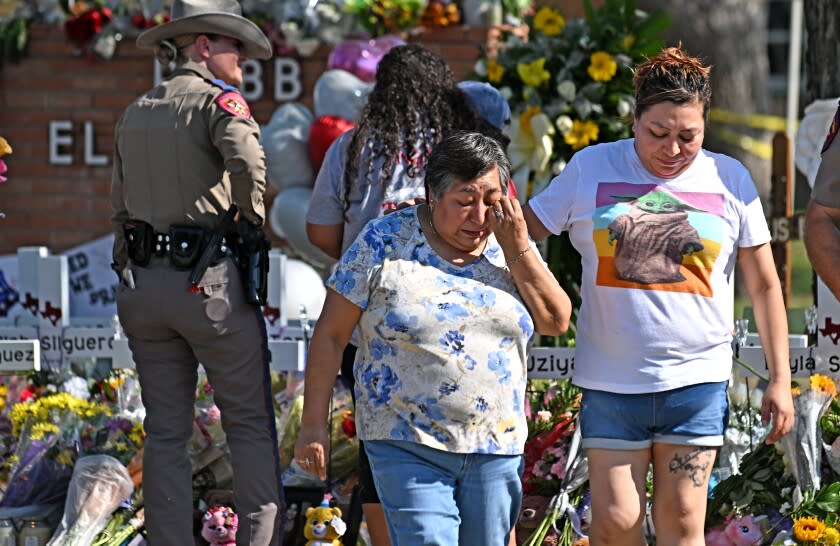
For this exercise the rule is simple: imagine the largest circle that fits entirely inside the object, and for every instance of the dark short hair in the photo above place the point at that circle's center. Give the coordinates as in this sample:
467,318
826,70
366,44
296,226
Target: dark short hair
673,76
463,156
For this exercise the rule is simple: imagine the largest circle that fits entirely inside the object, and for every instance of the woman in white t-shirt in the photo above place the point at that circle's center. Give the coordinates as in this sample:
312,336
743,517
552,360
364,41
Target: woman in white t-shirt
660,224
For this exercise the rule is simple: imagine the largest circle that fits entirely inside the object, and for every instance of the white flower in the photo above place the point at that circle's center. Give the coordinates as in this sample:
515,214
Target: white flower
567,90
756,396
506,92
543,415
738,394
624,108
564,124
77,387
480,68
784,509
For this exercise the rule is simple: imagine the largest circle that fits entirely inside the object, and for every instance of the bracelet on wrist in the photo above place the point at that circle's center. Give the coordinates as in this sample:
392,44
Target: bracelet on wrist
519,256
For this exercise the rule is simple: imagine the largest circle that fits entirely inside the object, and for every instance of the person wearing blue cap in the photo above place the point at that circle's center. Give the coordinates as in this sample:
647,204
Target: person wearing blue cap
489,104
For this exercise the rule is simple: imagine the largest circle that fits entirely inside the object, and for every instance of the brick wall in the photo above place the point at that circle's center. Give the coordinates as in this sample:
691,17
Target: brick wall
60,206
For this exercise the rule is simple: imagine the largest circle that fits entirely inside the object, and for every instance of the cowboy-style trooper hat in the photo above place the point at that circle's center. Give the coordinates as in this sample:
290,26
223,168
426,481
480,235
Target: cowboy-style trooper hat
223,17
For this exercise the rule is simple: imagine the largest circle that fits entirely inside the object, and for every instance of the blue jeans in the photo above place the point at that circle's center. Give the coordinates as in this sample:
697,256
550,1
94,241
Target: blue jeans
434,497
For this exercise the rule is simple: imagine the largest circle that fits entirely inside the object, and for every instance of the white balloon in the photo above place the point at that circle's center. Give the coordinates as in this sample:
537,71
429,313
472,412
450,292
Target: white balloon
288,213
304,286
285,140
340,93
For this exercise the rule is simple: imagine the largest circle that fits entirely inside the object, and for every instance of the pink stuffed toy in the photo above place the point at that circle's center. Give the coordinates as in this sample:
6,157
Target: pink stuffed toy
219,526
738,531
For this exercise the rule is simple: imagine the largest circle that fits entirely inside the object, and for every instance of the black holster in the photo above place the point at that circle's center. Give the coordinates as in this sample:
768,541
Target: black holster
253,262
139,238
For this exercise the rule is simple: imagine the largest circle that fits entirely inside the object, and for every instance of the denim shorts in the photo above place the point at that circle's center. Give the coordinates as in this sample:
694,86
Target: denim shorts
692,415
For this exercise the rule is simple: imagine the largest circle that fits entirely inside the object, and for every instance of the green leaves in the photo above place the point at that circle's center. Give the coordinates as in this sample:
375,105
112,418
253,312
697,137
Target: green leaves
14,37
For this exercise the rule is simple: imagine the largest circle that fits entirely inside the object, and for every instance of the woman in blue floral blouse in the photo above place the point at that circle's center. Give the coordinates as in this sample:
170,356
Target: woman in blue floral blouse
447,296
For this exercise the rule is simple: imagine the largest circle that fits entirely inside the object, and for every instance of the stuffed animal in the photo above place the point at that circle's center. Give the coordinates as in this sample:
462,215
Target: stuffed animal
737,531
531,514
219,526
324,525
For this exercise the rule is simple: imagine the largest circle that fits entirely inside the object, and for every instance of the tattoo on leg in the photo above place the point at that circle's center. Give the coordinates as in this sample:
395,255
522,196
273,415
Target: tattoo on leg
692,464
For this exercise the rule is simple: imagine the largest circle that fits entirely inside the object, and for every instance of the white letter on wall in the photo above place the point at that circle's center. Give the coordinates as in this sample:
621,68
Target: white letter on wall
91,157
287,84
252,85
57,139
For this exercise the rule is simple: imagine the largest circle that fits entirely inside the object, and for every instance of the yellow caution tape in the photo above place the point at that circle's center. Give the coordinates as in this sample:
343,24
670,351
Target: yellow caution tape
747,143
755,121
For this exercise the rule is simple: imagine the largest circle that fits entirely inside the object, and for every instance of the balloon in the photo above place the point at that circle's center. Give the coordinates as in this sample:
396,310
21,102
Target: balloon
288,216
304,286
322,133
340,93
361,57
284,140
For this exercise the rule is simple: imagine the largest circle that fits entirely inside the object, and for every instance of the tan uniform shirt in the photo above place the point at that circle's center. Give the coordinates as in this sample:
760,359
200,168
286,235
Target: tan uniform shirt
180,158
827,182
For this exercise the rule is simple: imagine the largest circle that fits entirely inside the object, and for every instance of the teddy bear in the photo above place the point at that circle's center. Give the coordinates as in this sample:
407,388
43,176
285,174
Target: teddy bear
219,526
324,525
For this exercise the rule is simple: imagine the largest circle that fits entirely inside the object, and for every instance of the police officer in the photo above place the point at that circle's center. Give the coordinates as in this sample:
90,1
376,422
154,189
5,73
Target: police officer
185,151
822,219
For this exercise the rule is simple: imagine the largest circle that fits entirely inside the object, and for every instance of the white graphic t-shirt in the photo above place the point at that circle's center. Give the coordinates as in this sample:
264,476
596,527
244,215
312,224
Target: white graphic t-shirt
658,259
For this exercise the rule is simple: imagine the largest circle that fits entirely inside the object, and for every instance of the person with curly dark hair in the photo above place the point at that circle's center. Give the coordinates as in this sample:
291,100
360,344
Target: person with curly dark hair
380,164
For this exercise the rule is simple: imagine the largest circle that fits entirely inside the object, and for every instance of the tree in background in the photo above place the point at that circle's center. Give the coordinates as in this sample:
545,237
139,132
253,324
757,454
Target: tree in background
822,54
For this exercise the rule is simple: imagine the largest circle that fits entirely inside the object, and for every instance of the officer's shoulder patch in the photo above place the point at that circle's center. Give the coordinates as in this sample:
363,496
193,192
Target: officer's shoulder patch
832,132
233,103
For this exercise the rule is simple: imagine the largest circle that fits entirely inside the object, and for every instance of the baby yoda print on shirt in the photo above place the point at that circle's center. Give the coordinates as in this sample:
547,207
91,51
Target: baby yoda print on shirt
651,238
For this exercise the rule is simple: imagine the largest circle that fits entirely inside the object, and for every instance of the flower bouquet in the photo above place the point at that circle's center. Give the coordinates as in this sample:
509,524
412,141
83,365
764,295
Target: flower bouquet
47,431
99,485
555,469
344,448
816,521
381,17
803,445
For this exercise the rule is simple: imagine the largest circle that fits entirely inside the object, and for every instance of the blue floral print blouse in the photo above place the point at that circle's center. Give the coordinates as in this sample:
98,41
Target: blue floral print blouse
442,350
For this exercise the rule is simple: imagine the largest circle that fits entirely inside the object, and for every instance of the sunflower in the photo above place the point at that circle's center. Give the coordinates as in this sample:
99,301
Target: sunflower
808,529
823,384
831,536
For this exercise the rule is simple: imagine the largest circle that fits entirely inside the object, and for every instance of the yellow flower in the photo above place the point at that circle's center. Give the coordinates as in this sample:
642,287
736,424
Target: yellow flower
533,74
39,430
823,384
808,529
795,391
831,536
582,134
550,22
602,66
627,42
4,147
495,71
